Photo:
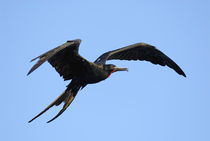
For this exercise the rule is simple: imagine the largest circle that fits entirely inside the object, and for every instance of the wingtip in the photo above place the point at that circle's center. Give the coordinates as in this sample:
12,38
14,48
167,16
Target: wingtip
32,69
29,121
184,75
28,73
34,59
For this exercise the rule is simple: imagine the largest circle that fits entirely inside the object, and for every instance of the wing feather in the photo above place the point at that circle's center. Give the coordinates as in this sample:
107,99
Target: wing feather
140,51
65,59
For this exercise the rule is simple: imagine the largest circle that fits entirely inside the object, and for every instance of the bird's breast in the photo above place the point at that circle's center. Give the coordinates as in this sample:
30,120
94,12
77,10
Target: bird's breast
94,76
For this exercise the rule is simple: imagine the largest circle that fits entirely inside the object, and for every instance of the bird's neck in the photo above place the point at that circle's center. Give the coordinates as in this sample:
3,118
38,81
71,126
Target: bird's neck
110,73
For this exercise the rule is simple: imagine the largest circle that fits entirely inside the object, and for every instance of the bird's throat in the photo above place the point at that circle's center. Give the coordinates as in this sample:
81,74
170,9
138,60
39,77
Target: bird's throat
111,72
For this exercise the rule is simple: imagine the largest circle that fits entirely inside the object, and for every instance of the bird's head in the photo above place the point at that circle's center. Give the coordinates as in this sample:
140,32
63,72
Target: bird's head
109,68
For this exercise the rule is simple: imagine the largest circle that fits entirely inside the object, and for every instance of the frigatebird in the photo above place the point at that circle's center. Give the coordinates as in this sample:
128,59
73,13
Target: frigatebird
71,66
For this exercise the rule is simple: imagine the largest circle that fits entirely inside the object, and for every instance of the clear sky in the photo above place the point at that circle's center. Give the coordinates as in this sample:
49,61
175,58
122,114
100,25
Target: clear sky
148,103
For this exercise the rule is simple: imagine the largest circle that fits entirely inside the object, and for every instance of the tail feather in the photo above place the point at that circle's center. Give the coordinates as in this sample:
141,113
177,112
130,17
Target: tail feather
56,102
67,97
68,101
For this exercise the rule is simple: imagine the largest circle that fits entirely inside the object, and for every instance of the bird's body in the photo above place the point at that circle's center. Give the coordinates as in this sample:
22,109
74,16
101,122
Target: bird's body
71,66
94,75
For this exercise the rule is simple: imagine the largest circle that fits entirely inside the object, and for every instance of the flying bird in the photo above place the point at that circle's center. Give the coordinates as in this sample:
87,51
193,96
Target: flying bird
71,66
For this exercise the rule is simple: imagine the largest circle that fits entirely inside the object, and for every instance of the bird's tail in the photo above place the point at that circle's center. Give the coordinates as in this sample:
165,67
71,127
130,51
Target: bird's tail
67,97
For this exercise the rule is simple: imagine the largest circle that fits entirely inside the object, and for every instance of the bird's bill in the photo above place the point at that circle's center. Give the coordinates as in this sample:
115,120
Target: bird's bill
76,41
120,69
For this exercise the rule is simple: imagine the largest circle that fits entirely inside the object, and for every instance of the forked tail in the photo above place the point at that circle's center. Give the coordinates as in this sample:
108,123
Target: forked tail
67,97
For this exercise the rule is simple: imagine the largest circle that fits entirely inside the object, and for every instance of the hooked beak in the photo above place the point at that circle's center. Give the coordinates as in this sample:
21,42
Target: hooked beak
120,69
78,41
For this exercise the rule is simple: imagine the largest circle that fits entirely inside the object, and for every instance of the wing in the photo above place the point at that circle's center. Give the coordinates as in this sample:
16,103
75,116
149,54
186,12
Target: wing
65,59
140,51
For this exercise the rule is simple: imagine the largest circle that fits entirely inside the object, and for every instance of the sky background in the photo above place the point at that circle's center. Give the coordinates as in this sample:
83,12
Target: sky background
148,103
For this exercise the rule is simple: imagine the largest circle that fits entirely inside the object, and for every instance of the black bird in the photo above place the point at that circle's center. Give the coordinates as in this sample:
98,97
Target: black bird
71,66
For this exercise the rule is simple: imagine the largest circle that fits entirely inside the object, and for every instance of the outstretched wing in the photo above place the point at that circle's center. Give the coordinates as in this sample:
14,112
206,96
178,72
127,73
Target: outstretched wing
140,51
65,59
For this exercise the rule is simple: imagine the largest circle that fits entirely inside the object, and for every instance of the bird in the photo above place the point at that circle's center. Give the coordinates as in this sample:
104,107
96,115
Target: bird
80,72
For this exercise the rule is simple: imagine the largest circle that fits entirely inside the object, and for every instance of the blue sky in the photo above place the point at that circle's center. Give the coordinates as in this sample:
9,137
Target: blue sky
148,103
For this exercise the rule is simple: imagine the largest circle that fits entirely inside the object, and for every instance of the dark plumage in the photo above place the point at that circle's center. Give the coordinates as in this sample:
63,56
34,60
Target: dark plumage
71,66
